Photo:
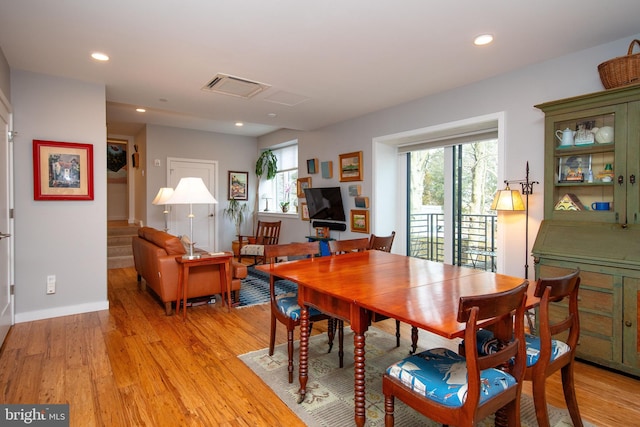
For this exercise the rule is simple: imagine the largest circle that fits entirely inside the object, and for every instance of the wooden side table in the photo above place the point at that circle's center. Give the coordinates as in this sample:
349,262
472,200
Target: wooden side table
222,258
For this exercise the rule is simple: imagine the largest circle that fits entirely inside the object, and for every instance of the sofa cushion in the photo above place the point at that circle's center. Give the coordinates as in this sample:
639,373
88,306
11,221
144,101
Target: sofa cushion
166,241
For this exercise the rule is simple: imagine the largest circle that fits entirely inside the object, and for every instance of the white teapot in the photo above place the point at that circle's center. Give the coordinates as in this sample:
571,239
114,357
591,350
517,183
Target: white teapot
565,137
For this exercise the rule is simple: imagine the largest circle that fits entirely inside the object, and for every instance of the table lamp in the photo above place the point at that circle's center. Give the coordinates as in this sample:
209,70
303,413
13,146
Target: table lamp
161,199
190,191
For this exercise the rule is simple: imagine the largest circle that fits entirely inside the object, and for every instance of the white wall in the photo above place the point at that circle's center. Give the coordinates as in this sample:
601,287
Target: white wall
63,238
514,93
232,152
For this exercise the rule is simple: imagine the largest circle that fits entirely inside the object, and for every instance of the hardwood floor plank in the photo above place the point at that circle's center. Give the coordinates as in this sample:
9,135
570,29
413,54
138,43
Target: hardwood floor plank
132,365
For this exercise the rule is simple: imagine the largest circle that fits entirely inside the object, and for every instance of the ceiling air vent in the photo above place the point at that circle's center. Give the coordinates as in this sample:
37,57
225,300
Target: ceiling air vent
234,86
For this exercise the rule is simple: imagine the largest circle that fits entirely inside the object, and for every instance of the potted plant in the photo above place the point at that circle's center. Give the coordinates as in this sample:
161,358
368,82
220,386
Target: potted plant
267,163
284,206
236,211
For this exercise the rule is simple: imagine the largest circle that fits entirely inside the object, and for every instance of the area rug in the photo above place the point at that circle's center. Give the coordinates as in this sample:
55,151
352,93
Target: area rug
329,398
255,288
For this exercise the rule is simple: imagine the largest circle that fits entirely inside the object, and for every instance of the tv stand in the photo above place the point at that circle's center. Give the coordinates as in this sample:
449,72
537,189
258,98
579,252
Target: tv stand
324,244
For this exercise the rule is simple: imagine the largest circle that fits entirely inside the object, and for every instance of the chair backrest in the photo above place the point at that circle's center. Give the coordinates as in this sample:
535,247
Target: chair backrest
507,309
308,249
382,243
337,247
553,290
268,233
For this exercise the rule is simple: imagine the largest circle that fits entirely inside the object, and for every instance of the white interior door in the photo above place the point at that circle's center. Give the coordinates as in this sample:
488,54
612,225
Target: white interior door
6,223
204,221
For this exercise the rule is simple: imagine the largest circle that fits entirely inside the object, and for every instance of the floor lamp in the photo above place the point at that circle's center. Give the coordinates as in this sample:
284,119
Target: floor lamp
510,200
161,199
191,191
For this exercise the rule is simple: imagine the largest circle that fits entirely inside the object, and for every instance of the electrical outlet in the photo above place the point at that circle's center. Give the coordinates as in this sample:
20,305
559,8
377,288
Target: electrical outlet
51,285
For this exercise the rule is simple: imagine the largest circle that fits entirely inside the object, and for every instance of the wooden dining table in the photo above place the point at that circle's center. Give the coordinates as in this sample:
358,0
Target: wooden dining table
350,287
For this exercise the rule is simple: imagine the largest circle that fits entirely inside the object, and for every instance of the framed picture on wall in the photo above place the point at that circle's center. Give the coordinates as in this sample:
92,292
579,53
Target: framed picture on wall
238,185
360,221
304,212
62,170
303,183
351,166
312,166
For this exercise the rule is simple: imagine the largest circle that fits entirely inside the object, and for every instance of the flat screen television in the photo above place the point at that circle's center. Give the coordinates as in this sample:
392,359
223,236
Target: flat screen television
325,203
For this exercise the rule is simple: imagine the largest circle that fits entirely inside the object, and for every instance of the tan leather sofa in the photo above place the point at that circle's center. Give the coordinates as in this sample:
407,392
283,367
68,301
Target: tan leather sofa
154,254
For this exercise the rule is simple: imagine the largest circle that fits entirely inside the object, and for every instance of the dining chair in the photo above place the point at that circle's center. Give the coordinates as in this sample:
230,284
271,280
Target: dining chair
382,243
461,390
267,233
545,354
285,308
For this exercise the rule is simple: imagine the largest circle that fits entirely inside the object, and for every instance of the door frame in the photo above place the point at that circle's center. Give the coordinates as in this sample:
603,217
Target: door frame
213,189
6,113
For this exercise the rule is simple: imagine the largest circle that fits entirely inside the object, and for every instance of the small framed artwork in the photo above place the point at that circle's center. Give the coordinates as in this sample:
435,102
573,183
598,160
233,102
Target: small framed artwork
360,221
323,232
362,202
312,166
303,183
327,169
354,190
351,167
573,168
62,170
304,212
238,185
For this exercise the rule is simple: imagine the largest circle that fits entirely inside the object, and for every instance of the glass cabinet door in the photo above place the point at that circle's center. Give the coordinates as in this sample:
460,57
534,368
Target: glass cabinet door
587,157
633,163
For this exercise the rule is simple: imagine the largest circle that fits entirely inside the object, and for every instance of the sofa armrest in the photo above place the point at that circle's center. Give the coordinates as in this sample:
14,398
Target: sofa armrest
238,270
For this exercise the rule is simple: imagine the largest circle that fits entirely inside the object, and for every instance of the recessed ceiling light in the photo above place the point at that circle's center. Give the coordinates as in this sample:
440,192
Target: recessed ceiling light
239,124
98,56
483,39
272,115
141,110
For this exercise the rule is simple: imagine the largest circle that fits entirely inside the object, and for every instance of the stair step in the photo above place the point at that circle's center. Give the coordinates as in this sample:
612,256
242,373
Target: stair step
118,240
123,250
130,230
120,262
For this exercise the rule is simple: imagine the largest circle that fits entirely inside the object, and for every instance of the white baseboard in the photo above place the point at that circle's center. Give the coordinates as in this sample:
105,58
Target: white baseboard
31,316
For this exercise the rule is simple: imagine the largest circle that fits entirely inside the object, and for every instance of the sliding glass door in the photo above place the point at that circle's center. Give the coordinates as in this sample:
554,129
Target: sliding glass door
449,195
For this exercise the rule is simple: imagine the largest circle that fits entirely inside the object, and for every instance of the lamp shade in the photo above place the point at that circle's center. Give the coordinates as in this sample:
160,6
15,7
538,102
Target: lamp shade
191,190
163,195
507,200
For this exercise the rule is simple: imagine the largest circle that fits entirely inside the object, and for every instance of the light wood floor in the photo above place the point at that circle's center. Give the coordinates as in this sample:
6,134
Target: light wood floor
134,366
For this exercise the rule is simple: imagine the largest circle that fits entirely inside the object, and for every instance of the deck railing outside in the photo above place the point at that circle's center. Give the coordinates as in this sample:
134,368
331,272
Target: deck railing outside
478,243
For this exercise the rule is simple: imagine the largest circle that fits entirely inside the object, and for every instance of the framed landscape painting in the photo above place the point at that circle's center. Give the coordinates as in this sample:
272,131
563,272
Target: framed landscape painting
62,170
238,185
351,167
360,221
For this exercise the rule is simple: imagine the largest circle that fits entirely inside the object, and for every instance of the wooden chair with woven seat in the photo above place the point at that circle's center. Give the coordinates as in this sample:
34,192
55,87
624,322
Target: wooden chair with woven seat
267,233
545,354
285,308
461,390
382,243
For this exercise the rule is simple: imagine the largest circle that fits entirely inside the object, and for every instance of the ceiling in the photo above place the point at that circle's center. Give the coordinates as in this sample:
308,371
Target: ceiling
324,61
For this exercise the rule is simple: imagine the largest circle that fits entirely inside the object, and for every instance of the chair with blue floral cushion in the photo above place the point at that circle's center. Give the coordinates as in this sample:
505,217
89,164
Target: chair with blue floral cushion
462,390
546,355
285,308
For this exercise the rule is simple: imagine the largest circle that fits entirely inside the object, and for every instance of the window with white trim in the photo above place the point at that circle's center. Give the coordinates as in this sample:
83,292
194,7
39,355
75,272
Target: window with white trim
280,193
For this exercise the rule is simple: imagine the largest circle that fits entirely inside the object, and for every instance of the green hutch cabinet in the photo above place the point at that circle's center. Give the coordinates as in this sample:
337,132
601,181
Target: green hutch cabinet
591,217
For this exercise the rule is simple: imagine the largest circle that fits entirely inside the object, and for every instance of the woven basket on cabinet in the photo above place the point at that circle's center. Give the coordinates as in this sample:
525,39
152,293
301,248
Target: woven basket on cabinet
621,71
